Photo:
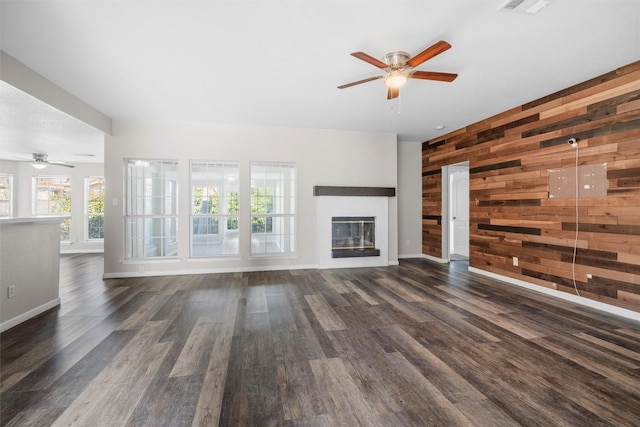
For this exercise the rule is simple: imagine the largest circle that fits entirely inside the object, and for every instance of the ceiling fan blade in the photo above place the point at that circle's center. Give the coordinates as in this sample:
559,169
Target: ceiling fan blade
428,53
53,162
370,79
433,75
393,92
370,59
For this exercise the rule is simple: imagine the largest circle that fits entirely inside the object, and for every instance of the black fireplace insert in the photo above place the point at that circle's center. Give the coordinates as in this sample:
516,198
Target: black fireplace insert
353,236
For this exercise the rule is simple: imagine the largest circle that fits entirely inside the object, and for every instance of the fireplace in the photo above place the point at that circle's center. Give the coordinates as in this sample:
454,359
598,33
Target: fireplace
353,236
353,202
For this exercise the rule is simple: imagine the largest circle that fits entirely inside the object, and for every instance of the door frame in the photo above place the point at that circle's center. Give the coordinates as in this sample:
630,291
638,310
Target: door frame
446,211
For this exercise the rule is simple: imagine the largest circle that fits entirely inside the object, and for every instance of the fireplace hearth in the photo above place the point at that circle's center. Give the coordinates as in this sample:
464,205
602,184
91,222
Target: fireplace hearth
353,236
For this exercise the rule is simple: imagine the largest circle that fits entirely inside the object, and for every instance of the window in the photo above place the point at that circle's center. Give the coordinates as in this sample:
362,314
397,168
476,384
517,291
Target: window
52,196
273,208
214,208
151,215
6,195
94,208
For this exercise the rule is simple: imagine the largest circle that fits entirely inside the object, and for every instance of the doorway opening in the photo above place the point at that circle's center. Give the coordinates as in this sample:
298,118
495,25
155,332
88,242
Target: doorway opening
455,215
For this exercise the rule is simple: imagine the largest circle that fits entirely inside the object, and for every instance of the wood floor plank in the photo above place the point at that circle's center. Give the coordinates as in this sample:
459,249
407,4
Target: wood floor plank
194,354
401,289
625,376
412,312
437,409
62,361
256,300
103,397
105,403
210,398
279,310
325,314
145,312
351,287
450,382
342,396
297,386
66,388
415,344
628,353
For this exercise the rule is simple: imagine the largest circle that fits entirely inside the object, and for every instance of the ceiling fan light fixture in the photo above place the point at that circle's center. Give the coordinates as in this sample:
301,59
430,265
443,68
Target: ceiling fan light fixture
39,165
396,79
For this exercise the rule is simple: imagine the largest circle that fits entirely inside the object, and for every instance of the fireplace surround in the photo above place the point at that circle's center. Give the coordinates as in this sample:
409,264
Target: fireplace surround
352,202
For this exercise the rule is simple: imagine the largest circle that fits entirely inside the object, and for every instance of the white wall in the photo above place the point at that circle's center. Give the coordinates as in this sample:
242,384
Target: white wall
30,263
409,200
23,173
323,157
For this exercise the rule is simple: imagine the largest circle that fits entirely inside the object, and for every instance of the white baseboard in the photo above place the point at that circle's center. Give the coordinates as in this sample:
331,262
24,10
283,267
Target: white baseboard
405,256
130,274
629,314
28,315
126,275
81,251
434,259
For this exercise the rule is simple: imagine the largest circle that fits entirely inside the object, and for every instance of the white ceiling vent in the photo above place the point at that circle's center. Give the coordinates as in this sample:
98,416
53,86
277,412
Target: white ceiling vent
525,6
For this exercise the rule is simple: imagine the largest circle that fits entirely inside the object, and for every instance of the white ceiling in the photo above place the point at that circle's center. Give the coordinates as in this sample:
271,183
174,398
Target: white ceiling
278,63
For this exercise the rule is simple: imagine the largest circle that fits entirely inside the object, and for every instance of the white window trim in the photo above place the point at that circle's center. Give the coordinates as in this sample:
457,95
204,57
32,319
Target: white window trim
220,216
128,208
294,215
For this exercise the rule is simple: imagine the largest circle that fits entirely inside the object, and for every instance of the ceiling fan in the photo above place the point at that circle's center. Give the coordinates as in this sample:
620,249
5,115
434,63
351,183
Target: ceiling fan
40,162
399,68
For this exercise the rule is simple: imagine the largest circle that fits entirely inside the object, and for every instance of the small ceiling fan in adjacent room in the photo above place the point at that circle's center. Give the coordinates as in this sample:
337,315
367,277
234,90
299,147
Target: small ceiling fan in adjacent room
40,161
399,68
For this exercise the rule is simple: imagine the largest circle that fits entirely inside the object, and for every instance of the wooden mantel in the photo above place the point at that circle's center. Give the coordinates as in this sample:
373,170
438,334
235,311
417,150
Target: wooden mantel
320,190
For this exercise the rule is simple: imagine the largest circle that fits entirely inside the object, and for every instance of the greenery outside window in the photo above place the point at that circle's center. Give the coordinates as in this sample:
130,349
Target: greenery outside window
52,196
273,208
151,214
94,214
214,208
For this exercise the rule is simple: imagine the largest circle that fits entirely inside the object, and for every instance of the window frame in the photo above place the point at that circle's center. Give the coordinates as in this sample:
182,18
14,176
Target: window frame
35,202
9,200
155,212
87,214
282,203
230,171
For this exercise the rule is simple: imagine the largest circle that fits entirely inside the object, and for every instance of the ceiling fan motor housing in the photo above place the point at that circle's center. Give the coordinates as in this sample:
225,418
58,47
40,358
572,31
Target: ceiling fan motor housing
396,60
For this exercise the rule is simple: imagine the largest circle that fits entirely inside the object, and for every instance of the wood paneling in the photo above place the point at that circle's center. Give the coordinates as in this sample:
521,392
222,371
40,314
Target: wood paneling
511,213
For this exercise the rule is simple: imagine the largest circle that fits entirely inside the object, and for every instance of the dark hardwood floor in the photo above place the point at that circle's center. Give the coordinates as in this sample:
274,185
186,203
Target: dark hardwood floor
421,344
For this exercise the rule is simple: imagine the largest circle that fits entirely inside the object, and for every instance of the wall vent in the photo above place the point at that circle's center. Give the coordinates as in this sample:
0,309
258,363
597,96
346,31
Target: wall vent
511,4
524,6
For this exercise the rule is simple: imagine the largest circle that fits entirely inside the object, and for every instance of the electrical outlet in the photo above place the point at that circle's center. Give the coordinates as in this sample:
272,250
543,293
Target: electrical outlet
11,291
515,261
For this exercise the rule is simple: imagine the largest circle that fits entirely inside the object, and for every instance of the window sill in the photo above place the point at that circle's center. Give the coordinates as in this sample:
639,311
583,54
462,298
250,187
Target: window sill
218,258
150,260
274,256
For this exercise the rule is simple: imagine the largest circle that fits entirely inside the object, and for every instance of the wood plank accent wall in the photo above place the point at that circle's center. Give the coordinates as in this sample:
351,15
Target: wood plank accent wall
511,213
